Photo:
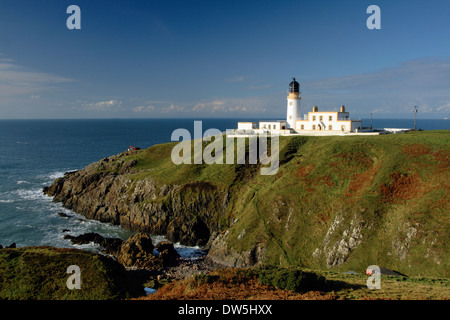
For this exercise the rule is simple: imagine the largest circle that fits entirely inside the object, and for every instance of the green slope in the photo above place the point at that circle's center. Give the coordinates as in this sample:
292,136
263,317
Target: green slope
336,202
40,273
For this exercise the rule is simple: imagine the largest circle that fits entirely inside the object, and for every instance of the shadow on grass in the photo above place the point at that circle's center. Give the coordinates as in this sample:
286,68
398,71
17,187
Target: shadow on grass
339,285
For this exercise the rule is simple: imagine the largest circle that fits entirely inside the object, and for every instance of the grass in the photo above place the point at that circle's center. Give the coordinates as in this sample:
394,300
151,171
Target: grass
390,191
286,284
392,288
386,182
39,273
389,183
335,204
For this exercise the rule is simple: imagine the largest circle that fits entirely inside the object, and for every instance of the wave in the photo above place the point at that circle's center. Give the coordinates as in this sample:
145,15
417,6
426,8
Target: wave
30,194
43,225
185,252
189,252
57,174
47,179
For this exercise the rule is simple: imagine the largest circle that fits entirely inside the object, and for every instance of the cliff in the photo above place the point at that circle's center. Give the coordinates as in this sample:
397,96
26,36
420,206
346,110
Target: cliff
336,202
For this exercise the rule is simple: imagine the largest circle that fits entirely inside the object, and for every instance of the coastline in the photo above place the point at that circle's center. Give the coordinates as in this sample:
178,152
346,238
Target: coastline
144,191
128,190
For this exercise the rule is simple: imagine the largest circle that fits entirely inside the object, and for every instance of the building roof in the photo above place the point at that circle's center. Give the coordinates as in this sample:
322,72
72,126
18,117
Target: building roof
294,86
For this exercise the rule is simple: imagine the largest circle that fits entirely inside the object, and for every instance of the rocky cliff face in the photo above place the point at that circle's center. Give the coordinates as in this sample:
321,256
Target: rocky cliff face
336,202
104,191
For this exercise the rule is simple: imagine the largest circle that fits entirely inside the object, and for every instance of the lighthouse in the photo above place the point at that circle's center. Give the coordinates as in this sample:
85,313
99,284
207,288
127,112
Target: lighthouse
314,122
293,104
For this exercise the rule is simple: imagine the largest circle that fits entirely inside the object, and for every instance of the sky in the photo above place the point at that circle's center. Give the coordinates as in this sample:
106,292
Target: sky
222,59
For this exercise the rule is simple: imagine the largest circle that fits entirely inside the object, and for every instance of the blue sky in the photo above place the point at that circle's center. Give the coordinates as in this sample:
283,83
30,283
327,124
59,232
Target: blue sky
144,59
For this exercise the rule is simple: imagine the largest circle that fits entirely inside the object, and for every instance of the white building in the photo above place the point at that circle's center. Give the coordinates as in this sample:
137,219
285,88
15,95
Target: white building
330,121
314,122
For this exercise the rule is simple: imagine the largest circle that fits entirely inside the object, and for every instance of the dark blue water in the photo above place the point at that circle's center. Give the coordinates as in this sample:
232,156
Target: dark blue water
35,152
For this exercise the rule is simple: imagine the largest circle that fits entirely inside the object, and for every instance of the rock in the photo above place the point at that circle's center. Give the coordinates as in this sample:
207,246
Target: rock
222,254
337,253
167,253
11,246
166,246
402,243
137,251
188,232
110,245
127,166
62,214
85,238
104,192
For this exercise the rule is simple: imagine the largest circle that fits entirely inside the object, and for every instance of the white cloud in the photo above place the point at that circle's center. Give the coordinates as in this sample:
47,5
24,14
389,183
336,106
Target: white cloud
143,109
26,93
16,80
103,105
444,108
253,105
173,109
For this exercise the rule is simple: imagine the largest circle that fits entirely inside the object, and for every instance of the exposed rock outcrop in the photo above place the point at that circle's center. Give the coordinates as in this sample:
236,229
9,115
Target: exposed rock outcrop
337,252
111,245
332,203
11,246
222,253
104,191
167,253
135,252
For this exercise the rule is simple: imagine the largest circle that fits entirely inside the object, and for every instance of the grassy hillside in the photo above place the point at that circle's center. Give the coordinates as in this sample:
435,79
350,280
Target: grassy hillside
39,273
352,202
255,284
336,202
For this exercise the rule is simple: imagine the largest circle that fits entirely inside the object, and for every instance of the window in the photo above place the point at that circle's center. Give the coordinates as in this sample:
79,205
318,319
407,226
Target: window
330,127
290,103
321,118
290,117
274,126
314,118
343,128
314,127
302,127
330,118
264,126
269,126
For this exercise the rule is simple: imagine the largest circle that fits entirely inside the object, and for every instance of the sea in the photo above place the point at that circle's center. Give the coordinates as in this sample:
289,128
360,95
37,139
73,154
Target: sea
33,153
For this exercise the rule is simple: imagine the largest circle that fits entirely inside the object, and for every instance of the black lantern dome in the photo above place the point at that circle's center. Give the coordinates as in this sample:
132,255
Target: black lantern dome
294,86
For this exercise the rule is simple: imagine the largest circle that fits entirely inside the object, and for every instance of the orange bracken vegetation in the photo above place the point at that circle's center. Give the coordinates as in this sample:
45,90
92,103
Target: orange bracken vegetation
415,150
230,287
401,187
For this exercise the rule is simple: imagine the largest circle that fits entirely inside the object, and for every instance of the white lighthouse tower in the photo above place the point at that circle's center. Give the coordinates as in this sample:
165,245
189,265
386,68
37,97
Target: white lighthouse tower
293,104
